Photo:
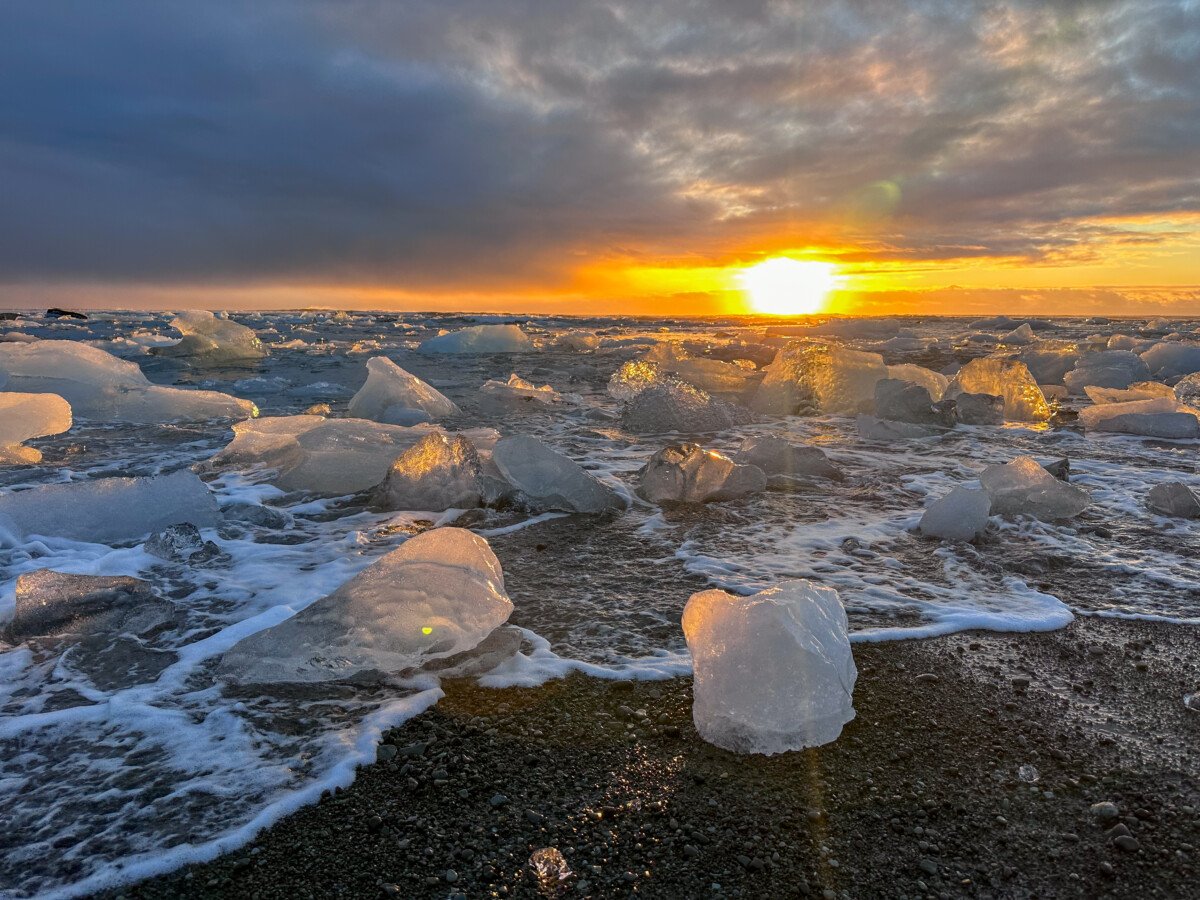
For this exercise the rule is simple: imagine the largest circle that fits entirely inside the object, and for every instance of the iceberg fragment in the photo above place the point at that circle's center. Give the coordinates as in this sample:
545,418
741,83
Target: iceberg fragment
439,594
1142,390
53,603
1170,359
773,672
1175,499
907,401
979,409
390,386
1162,417
211,339
775,456
934,382
808,377
551,480
1021,335
710,375
872,428
106,510
517,395
438,472
962,515
687,473
26,416
1024,487
676,406
1106,368
1007,378
480,339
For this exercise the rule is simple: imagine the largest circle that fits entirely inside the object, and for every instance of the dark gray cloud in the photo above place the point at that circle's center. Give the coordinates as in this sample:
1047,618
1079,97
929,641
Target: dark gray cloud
430,141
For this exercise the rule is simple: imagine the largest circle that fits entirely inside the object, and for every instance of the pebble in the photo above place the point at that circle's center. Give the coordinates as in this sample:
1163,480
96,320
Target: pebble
1104,810
1127,843
928,678
928,866
451,876
497,800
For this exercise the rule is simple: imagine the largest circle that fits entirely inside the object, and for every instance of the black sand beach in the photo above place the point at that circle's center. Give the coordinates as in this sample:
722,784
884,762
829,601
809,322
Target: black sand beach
920,797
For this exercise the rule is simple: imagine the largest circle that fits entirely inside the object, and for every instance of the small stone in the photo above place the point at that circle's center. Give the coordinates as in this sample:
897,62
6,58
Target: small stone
1127,843
928,678
1105,810
451,876
928,866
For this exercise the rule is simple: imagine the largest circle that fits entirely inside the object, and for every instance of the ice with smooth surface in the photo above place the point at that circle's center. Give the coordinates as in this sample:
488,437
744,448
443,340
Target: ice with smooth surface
26,416
814,377
711,375
389,386
438,472
1174,498
677,406
1170,359
517,395
772,672
439,594
1007,378
212,339
105,510
480,339
551,480
934,382
687,473
979,409
775,456
1019,336
1163,417
49,602
1141,390
962,515
100,386
1024,487
873,428
1106,368
906,401
1050,361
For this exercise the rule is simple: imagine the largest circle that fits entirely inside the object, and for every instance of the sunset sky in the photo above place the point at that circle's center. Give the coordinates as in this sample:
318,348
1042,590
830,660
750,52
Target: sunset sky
601,157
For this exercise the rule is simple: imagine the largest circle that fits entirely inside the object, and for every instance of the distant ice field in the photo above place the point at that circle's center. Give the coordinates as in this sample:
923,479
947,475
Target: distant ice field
123,755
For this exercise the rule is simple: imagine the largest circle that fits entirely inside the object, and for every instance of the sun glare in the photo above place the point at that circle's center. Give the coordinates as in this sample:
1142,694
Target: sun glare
788,287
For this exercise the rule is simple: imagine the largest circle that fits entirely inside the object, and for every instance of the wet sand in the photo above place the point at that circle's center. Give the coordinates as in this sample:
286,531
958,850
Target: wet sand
920,797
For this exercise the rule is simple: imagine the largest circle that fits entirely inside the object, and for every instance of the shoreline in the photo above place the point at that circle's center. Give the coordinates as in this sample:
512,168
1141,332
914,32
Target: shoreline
920,796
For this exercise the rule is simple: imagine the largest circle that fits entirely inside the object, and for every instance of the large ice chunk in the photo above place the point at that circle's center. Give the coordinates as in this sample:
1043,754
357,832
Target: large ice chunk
577,341
979,409
1106,368
1020,336
710,375
934,382
440,593
1170,359
775,456
549,479
1142,390
687,473
25,416
106,510
1024,487
1049,361
812,377
212,340
1187,391
907,401
100,386
961,515
324,456
517,395
676,406
480,339
1007,378
389,386
51,603
772,672
1162,417
873,428
438,472
634,377
1174,498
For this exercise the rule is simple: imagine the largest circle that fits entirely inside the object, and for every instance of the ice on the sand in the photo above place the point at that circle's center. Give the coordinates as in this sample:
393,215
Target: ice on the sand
1141,390
517,395
1170,359
961,515
212,339
934,382
26,416
979,409
439,594
480,339
687,473
390,388
181,543
812,377
438,472
711,375
772,672
1106,368
1163,417
677,406
324,456
873,428
1019,336
1050,361
906,401
51,603
1007,378
1187,391
100,386
105,510
550,480
1024,487
775,456
1174,498
634,377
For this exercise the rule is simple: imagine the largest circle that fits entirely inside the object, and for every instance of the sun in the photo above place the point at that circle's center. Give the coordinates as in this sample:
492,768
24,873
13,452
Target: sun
788,287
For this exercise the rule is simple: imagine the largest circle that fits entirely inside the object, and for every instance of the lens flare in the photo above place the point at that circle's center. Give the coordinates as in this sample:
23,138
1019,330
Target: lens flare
788,287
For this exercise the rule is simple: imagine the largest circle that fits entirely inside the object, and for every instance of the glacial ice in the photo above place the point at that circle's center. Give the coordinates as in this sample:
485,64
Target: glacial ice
551,480
181,542
100,386
687,473
1162,417
1172,359
1049,361
1175,499
1142,390
961,515
106,510
439,594
907,401
710,375
480,339
873,428
577,341
1024,487
1187,391
634,377
390,386
934,382
1007,378
775,456
979,409
438,472
1106,368
212,340
52,603
517,395
808,377
773,672
676,406
324,456
26,416
1021,335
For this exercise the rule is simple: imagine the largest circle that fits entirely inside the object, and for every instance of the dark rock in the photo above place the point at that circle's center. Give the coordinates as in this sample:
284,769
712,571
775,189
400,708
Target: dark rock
55,313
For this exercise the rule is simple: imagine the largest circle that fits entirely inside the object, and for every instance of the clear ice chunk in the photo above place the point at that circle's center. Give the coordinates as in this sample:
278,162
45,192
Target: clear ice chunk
480,339
26,416
438,472
1106,368
1024,487
212,339
1007,378
550,480
775,456
1163,417
934,382
517,395
687,473
51,603
773,672
906,401
389,386
813,377
679,407
1170,359
962,515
